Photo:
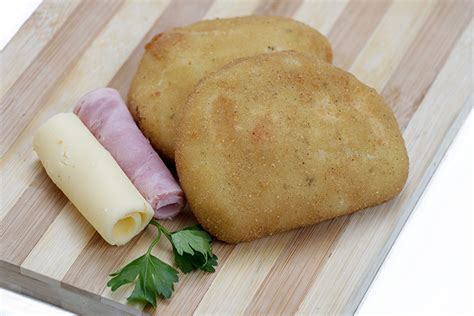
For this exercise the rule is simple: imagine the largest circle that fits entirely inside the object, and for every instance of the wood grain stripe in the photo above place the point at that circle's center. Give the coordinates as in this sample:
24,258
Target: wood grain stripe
427,137
406,89
231,8
43,257
353,27
179,12
390,41
32,37
277,7
94,69
30,218
26,96
320,15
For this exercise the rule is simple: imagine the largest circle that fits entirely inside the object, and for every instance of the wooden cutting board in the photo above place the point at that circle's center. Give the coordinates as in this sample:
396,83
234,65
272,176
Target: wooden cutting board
417,54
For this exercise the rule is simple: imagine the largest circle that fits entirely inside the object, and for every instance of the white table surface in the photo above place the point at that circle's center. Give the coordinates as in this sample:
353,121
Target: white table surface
429,270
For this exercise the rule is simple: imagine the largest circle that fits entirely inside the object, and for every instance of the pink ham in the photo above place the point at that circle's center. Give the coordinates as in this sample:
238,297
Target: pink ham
107,117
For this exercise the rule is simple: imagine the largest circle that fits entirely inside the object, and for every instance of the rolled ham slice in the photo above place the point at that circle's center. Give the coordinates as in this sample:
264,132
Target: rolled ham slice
107,117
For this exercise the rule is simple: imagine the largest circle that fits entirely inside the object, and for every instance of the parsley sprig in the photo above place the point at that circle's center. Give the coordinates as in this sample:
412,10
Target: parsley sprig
192,249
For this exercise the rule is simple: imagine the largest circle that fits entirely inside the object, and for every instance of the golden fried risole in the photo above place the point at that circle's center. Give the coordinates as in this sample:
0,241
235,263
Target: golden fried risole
279,141
176,60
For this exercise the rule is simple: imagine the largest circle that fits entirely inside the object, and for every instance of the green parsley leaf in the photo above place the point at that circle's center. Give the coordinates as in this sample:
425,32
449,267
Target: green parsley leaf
151,276
155,278
127,274
192,248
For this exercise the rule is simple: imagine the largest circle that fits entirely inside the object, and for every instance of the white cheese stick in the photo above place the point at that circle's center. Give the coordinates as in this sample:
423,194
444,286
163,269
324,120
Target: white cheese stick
92,180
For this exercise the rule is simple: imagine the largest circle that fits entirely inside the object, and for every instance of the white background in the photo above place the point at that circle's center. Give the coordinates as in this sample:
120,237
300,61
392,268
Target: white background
429,270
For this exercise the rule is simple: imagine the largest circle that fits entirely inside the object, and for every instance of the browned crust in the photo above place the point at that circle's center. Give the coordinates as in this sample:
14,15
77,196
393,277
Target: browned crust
284,140
174,61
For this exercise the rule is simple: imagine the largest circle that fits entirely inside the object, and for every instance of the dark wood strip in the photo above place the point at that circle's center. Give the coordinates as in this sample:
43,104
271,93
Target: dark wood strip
29,218
353,28
278,7
422,62
178,13
27,95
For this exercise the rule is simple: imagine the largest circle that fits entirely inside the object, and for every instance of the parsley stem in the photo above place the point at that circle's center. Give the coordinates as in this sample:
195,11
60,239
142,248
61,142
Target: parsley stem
155,241
161,229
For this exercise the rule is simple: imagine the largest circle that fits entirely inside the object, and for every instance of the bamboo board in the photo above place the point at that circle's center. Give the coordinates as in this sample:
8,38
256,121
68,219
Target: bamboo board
418,54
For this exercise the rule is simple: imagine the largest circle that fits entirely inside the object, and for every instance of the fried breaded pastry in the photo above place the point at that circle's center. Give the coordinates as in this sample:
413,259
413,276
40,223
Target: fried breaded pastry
284,140
176,60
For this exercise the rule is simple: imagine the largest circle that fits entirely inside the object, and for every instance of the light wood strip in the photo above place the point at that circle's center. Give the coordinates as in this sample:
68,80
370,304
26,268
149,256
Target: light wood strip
27,95
405,90
370,233
94,69
277,7
275,298
32,214
178,13
44,259
31,38
231,8
357,21
395,33
320,15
